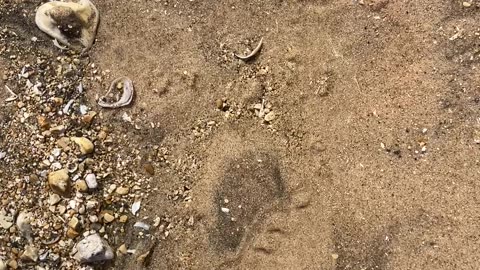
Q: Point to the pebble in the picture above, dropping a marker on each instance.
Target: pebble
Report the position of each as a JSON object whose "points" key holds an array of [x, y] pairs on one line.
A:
{"points": [[85, 145], [71, 233], [467, 4], [123, 218], [122, 190], [61, 209], [13, 264], [156, 222], [91, 180], [92, 248], [23, 224], [81, 186], [270, 117], [3, 266], [219, 104], [59, 182], [74, 223], [108, 218], [93, 219], [57, 130], [149, 168], [53, 199], [43, 122], [5, 222], [30, 254], [122, 249], [88, 118]]}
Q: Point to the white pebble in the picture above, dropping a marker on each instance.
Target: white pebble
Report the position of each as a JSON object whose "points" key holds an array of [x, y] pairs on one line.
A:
{"points": [[91, 180]]}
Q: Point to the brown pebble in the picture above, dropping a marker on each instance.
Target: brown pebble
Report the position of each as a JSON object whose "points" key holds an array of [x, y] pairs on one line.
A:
{"points": [[149, 168], [81, 186], [219, 104], [71, 233], [13, 264], [34, 178], [43, 122], [108, 218], [88, 118], [58, 101], [102, 135], [123, 219]]}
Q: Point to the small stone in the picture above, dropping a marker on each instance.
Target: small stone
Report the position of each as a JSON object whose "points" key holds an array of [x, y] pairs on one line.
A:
{"points": [[43, 122], [3, 265], [156, 222], [142, 257], [81, 186], [58, 101], [476, 136], [219, 104], [123, 219], [62, 209], [91, 180], [53, 199], [93, 219], [88, 118], [71, 233], [74, 223], [85, 145], [64, 143], [122, 190], [13, 264], [122, 249], [5, 222], [30, 254], [102, 135], [270, 117], [149, 168], [92, 248], [467, 4], [108, 218], [57, 130], [23, 224], [59, 182]]}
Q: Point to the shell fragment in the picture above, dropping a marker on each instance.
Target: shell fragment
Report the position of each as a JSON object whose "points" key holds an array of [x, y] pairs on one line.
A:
{"points": [[125, 99]]}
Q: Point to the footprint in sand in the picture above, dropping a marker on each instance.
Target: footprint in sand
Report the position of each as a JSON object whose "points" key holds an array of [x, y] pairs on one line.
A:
{"points": [[250, 189]]}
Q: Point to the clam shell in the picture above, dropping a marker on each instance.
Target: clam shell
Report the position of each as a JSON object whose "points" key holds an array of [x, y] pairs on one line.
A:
{"points": [[124, 100], [72, 23]]}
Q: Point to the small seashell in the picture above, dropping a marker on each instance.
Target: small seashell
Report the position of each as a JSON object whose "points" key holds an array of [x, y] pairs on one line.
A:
{"points": [[141, 225], [12, 97], [126, 97], [135, 207], [66, 109]]}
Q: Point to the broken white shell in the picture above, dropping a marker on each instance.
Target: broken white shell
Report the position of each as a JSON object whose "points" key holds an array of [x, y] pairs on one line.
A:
{"points": [[141, 225], [135, 207], [12, 97], [70, 22], [124, 100]]}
